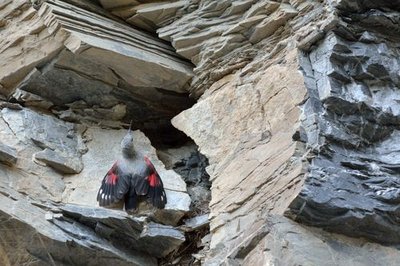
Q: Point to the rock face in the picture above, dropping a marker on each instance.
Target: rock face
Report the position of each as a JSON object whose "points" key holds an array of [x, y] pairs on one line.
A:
{"points": [[318, 147], [297, 116], [70, 68], [8, 154], [39, 141], [250, 159], [283, 242], [352, 127], [101, 155], [105, 74], [147, 15]]}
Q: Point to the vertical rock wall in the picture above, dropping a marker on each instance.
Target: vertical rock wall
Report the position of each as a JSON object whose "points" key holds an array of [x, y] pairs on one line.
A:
{"points": [[351, 123], [317, 146]]}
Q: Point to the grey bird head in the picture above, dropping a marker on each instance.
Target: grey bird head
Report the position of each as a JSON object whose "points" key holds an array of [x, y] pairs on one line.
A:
{"points": [[127, 144]]}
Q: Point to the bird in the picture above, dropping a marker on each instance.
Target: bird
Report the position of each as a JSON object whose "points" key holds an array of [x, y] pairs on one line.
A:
{"points": [[132, 175]]}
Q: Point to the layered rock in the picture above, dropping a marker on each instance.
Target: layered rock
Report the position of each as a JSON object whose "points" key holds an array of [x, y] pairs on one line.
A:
{"points": [[112, 235], [67, 68], [351, 123], [147, 15], [283, 242], [36, 233], [245, 121], [223, 37], [104, 73], [318, 147], [250, 160]]}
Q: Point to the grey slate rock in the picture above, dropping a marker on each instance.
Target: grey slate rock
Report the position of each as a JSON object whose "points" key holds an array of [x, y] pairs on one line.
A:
{"points": [[63, 241], [8, 155], [352, 124], [161, 239], [63, 164], [127, 232], [196, 223]]}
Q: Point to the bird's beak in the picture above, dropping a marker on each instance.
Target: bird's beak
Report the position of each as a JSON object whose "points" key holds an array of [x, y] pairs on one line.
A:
{"points": [[130, 126]]}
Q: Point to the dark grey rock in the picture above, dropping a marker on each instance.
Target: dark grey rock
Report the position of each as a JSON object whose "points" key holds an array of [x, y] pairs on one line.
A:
{"points": [[193, 169], [161, 239], [289, 243], [30, 99], [197, 222], [347, 6], [8, 154], [14, 106], [127, 232], [351, 123], [27, 237]]}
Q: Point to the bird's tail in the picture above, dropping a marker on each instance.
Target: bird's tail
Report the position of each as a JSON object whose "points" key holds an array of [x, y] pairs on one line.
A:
{"points": [[130, 202]]}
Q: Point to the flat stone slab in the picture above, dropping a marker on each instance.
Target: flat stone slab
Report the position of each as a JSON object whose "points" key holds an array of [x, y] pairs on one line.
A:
{"points": [[31, 234], [63, 164], [137, 57], [196, 223], [136, 232], [162, 239]]}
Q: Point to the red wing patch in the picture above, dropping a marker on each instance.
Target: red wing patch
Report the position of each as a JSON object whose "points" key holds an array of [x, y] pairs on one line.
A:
{"points": [[112, 178], [108, 190], [156, 192], [153, 180]]}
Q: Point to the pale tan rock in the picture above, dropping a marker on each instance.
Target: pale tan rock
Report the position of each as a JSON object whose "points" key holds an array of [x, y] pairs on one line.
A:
{"points": [[281, 241], [222, 37], [24, 43], [246, 132], [269, 25], [138, 58], [118, 3], [147, 15], [158, 13], [211, 35]]}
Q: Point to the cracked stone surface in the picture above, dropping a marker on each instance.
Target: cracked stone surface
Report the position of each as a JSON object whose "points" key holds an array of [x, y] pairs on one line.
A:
{"points": [[281, 241], [336, 168], [351, 122], [28, 237], [29, 185]]}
